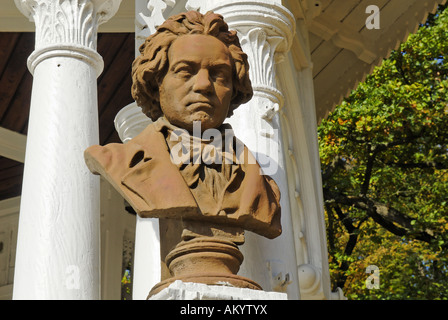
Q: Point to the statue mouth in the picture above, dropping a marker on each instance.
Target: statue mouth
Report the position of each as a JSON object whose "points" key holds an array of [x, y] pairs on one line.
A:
{"points": [[200, 106]]}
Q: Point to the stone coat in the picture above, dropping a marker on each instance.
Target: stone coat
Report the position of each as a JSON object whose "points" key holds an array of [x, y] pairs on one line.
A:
{"points": [[142, 171]]}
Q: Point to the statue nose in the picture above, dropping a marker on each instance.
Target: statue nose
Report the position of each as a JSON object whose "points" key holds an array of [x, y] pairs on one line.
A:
{"points": [[202, 82]]}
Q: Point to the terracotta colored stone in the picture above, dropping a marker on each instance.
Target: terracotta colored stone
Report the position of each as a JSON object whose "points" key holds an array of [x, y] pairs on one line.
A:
{"points": [[205, 260], [192, 69]]}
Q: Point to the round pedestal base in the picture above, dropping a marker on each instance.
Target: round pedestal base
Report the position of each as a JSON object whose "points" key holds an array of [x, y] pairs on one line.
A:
{"points": [[206, 260]]}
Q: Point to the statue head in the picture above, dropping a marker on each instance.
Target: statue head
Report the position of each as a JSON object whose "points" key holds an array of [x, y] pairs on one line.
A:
{"points": [[191, 69]]}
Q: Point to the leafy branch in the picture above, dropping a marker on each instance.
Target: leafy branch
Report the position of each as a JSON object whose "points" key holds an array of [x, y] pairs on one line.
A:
{"points": [[389, 218]]}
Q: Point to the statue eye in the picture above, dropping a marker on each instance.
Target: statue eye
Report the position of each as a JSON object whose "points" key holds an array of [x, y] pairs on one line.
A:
{"points": [[184, 71], [220, 74], [217, 74]]}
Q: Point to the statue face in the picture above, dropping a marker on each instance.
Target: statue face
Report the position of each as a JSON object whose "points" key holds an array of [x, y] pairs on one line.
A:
{"points": [[198, 83]]}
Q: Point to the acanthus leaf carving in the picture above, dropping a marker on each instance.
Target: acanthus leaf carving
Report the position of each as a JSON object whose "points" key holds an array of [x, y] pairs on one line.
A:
{"points": [[67, 28], [261, 49], [265, 32], [73, 22], [66, 21]]}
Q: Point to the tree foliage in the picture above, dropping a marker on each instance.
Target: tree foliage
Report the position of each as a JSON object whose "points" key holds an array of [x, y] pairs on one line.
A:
{"points": [[384, 157]]}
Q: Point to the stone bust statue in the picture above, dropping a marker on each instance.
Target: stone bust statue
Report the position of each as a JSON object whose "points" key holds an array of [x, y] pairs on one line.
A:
{"points": [[189, 78], [191, 70]]}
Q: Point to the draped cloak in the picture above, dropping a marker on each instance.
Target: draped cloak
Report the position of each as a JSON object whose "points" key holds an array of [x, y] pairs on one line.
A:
{"points": [[158, 183]]}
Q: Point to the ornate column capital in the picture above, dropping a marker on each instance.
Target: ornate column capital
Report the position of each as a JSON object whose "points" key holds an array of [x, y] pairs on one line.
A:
{"points": [[67, 28], [266, 31], [273, 18]]}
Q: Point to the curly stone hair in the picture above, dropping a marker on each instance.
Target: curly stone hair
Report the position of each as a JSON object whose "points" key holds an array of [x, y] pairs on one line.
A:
{"points": [[151, 66]]}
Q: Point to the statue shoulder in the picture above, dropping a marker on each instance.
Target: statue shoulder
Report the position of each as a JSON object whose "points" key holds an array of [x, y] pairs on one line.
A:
{"points": [[100, 158], [115, 157]]}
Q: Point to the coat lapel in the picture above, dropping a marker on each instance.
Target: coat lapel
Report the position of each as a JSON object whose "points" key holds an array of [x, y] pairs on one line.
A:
{"points": [[155, 179]]}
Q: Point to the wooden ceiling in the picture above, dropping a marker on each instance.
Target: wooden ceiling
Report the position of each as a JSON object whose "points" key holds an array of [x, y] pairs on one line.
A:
{"points": [[114, 84]]}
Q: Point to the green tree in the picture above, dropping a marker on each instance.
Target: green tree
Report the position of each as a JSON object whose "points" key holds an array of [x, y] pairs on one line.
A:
{"points": [[384, 157]]}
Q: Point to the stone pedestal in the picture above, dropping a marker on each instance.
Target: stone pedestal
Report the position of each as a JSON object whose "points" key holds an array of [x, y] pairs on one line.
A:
{"points": [[201, 253], [179, 290]]}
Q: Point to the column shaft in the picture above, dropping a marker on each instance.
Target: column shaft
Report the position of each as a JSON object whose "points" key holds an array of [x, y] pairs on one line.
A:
{"points": [[58, 250]]}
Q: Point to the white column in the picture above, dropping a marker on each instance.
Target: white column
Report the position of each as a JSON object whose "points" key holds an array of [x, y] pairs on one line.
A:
{"points": [[129, 122], [58, 251], [303, 165]]}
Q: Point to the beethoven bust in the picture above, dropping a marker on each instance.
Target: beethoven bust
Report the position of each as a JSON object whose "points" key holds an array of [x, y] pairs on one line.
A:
{"points": [[192, 71]]}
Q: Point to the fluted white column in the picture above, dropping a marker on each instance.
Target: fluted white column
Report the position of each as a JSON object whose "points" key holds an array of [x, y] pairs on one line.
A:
{"points": [[58, 250]]}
